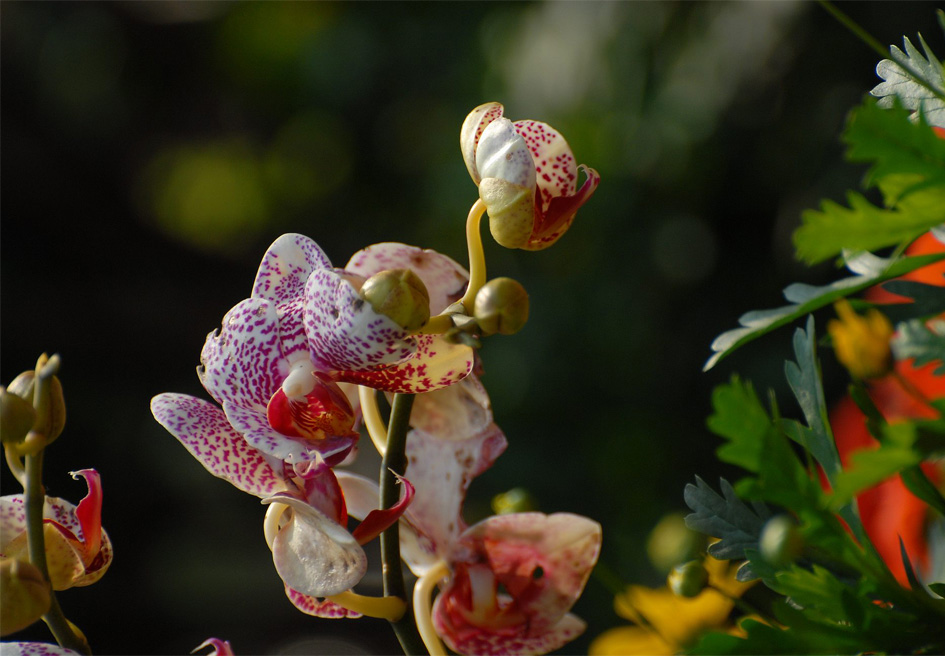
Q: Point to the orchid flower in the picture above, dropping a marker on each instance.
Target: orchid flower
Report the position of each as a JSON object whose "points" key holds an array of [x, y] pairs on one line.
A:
{"points": [[526, 175], [317, 557], [78, 551], [34, 649], [220, 647]]}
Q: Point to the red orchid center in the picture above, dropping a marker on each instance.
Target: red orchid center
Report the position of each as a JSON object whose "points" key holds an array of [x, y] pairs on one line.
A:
{"points": [[313, 409], [475, 601]]}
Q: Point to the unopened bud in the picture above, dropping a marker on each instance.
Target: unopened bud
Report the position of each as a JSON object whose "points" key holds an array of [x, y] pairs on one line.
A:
{"points": [[781, 543], [400, 295], [16, 417], [24, 595], [501, 306], [516, 500], [511, 209], [672, 542], [50, 410], [688, 579]]}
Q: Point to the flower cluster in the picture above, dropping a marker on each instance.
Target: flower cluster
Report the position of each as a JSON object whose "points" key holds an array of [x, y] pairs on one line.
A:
{"points": [[294, 371]]}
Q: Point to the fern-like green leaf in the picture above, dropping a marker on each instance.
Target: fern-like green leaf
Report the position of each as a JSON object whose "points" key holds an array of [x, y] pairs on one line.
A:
{"points": [[923, 341], [902, 74]]}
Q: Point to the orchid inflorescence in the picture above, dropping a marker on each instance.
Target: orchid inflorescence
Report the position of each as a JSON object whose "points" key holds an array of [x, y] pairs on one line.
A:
{"points": [[294, 372]]}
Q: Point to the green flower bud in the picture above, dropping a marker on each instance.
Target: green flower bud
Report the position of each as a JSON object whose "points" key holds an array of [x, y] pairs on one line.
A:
{"points": [[50, 410], [400, 295], [24, 595], [511, 209], [16, 417], [688, 579], [781, 543], [672, 542], [501, 306], [516, 500]]}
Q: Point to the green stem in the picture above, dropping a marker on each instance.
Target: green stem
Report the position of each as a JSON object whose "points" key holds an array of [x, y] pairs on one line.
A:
{"points": [[393, 465], [34, 500]]}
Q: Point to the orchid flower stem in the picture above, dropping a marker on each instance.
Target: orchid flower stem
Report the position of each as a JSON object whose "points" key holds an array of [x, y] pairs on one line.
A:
{"points": [[394, 465], [15, 463], [477, 257], [385, 608], [372, 418], [34, 500], [423, 607]]}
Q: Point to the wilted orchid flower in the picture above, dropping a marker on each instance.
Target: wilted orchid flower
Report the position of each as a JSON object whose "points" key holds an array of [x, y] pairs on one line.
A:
{"points": [[78, 551], [526, 175], [313, 551]]}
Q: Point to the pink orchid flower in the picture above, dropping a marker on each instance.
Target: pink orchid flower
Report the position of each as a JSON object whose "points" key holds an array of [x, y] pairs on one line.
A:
{"points": [[220, 647], [526, 175], [313, 551], [78, 551], [34, 649]]}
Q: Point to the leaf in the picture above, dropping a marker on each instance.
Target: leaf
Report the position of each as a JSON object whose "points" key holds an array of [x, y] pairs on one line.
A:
{"points": [[901, 82], [927, 300], [725, 517], [938, 588], [923, 341], [869, 270], [919, 484], [742, 420]]}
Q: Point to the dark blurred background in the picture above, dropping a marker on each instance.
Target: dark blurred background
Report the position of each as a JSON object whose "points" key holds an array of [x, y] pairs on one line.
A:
{"points": [[152, 150]]}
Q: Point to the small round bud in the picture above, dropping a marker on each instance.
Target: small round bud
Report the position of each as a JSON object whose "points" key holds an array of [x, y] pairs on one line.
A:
{"points": [[672, 542], [501, 306], [24, 595], [16, 417], [688, 579], [781, 543], [516, 500], [400, 295], [51, 422]]}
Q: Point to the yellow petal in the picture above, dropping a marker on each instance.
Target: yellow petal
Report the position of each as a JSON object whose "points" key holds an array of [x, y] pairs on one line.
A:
{"points": [[626, 640]]}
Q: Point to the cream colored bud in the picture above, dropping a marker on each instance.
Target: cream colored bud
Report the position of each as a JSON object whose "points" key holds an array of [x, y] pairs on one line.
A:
{"points": [[24, 595], [511, 209], [688, 579], [400, 295], [671, 542], [16, 417], [781, 543], [501, 306], [50, 423]]}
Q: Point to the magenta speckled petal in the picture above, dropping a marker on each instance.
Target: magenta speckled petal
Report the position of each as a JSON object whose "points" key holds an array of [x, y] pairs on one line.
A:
{"points": [[255, 429], [436, 364], [344, 332], [563, 545], [555, 168], [313, 554], [469, 134], [454, 413], [34, 649], [463, 640], [444, 279], [242, 362], [441, 472], [286, 266], [318, 607], [12, 520], [204, 431], [560, 213]]}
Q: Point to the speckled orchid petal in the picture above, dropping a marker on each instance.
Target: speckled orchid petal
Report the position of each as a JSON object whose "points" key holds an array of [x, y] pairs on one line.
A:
{"points": [[436, 364], [34, 649], [344, 332], [313, 554], [444, 279], [220, 647], [554, 166], [503, 153], [560, 213], [286, 267], [543, 561], [206, 433], [466, 640], [255, 429], [242, 362], [454, 413], [441, 470], [318, 607], [469, 134], [74, 558]]}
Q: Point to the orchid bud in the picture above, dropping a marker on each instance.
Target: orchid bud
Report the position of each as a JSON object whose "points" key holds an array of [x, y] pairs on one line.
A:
{"points": [[16, 417], [688, 579], [24, 595], [511, 209], [671, 542], [51, 422], [501, 306], [781, 543], [400, 295]]}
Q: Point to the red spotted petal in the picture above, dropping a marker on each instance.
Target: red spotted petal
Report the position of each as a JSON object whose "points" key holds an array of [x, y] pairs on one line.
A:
{"points": [[469, 134], [560, 213], [318, 607], [325, 411]]}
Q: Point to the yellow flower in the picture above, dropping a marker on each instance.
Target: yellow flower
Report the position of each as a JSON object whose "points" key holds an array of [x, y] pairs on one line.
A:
{"points": [[666, 623], [861, 342]]}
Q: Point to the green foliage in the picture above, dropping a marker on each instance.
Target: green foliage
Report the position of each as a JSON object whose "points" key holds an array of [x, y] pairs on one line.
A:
{"points": [[923, 341], [907, 164], [915, 81]]}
